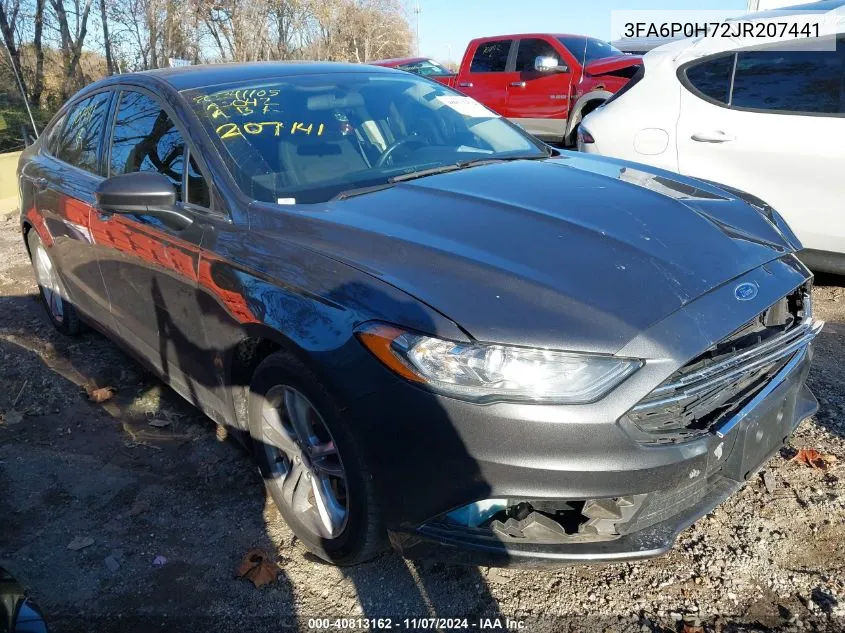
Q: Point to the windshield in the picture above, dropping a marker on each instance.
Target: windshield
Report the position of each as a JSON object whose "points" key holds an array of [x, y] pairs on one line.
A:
{"points": [[426, 68], [309, 138], [595, 49]]}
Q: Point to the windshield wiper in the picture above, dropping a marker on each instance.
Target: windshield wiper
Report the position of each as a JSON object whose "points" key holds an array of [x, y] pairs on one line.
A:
{"points": [[422, 173], [360, 191], [464, 164]]}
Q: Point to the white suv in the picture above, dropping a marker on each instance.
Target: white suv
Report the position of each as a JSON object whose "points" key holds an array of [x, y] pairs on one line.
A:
{"points": [[765, 119]]}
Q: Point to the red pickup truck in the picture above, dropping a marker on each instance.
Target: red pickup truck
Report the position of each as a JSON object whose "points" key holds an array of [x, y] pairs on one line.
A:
{"points": [[545, 83]]}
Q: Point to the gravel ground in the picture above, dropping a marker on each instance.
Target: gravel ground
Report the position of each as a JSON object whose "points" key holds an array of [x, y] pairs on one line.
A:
{"points": [[771, 558]]}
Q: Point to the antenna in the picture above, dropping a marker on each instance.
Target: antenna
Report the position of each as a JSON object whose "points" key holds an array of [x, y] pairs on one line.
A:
{"points": [[584, 60], [23, 92]]}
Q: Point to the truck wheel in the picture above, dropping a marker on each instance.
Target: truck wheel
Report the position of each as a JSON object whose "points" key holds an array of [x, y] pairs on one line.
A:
{"points": [[311, 464]]}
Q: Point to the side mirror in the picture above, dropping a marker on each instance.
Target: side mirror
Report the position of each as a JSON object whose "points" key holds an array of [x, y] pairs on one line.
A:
{"points": [[144, 193], [549, 65]]}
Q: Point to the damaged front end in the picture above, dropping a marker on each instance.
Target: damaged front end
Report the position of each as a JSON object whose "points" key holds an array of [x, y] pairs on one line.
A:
{"points": [[555, 521], [698, 434], [506, 532]]}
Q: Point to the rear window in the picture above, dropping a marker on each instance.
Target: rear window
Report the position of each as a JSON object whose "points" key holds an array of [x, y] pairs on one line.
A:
{"points": [[790, 81], [491, 57], [712, 78], [53, 136], [786, 79], [79, 142]]}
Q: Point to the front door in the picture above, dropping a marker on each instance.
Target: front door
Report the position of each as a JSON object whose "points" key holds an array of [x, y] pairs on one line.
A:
{"points": [[489, 75], [777, 131], [539, 102], [149, 267]]}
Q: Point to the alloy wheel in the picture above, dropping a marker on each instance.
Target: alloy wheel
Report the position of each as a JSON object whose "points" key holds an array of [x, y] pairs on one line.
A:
{"points": [[304, 462], [50, 283]]}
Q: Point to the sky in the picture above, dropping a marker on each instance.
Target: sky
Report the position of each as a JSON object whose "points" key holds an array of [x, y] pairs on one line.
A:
{"points": [[447, 26]]}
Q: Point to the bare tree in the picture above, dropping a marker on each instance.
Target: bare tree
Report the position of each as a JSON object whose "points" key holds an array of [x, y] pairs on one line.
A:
{"points": [[38, 49], [360, 30], [106, 42], [9, 12], [71, 42], [58, 45]]}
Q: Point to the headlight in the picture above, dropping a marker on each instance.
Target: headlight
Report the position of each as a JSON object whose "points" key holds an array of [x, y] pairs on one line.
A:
{"points": [[488, 373]]}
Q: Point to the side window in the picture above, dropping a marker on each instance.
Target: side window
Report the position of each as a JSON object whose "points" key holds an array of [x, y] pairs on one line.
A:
{"points": [[79, 142], [712, 77], [529, 50], [51, 142], [145, 139], [197, 187], [789, 81], [491, 57]]}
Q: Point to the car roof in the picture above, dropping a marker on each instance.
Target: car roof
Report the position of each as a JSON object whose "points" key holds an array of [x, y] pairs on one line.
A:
{"points": [[201, 75], [819, 5], [692, 48]]}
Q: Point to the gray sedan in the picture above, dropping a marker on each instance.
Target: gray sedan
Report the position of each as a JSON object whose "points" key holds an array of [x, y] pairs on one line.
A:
{"points": [[431, 329]]}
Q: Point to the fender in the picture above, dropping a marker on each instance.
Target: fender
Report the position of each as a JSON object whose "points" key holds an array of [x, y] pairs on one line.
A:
{"points": [[575, 114]]}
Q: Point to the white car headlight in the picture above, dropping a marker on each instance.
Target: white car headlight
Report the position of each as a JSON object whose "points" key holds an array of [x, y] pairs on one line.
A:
{"points": [[487, 373]]}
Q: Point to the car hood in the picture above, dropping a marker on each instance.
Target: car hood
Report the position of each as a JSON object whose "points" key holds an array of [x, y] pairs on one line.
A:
{"points": [[574, 252], [608, 64]]}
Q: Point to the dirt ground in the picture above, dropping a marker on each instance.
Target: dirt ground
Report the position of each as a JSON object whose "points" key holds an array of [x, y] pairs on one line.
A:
{"points": [[771, 558]]}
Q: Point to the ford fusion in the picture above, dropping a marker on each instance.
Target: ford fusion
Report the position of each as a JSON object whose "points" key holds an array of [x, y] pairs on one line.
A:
{"points": [[432, 330]]}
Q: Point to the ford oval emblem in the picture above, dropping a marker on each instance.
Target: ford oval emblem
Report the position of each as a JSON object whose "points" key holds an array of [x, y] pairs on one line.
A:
{"points": [[745, 291]]}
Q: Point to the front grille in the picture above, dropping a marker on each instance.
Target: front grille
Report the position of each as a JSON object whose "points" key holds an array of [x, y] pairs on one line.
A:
{"points": [[714, 386]]}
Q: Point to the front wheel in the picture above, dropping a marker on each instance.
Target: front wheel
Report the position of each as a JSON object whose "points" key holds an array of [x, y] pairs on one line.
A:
{"points": [[311, 464], [61, 312]]}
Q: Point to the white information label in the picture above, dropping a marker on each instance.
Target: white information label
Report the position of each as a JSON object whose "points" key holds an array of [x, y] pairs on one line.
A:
{"points": [[468, 107]]}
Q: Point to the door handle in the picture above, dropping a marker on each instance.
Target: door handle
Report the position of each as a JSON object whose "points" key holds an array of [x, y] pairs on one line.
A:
{"points": [[716, 136], [465, 84], [518, 84]]}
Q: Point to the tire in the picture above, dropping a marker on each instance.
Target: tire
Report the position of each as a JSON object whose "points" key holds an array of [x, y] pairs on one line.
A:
{"points": [[284, 385], [60, 310]]}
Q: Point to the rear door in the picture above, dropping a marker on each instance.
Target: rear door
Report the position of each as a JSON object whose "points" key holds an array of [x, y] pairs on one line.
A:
{"points": [[150, 267], [777, 130], [490, 71], [68, 171], [539, 102]]}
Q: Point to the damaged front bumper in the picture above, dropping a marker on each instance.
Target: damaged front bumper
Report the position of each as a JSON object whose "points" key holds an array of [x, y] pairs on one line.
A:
{"points": [[692, 441], [522, 483], [637, 526]]}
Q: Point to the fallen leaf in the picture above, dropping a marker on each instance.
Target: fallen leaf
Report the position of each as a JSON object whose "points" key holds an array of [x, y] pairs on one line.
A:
{"points": [[80, 542], [690, 628], [812, 458], [13, 417], [258, 567], [100, 395], [159, 424]]}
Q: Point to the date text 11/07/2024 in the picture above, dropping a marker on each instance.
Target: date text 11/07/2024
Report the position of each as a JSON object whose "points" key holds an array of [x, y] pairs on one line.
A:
{"points": [[417, 624]]}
